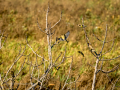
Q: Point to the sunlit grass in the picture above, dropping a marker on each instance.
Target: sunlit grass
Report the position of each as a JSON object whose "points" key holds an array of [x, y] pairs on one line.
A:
{"points": [[21, 21]]}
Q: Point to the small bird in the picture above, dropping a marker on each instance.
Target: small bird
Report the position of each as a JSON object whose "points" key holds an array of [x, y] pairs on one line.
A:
{"points": [[63, 37], [82, 26], [92, 49]]}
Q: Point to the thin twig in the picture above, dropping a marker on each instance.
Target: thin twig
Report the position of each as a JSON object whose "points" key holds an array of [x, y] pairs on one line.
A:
{"points": [[37, 67], [58, 21], [33, 50], [104, 41], [52, 33], [110, 48], [91, 49], [39, 27], [115, 83], [101, 40], [75, 80], [115, 68], [109, 78], [100, 68], [14, 63], [68, 74], [20, 69], [110, 59]]}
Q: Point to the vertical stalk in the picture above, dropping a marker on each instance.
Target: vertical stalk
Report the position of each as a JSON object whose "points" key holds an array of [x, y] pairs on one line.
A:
{"points": [[95, 73], [49, 49], [48, 38]]}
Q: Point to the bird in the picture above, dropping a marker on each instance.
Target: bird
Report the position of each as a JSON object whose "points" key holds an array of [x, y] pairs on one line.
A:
{"points": [[63, 37], [82, 26], [92, 50]]}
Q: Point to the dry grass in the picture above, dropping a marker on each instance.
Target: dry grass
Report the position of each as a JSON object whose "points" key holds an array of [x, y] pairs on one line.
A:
{"points": [[19, 18]]}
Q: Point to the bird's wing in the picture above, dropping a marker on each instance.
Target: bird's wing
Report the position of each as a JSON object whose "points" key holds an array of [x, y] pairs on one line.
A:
{"points": [[66, 35]]}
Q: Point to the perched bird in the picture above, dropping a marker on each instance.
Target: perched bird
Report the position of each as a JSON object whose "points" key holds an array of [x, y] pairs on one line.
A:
{"points": [[63, 37], [82, 26], [92, 49]]}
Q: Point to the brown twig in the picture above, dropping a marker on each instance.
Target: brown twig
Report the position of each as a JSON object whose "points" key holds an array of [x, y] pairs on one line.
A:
{"points": [[14, 63], [68, 74]]}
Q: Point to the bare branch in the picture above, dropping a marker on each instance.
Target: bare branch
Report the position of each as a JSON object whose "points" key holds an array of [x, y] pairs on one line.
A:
{"points": [[110, 48], [58, 57], [44, 64], [91, 65], [17, 85], [20, 69], [109, 78], [42, 78], [48, 38], [39, 27], [63, 59], [2, 87], [31, 76], [14, 63], [86, 87], [100, 68], [101, 40], [33, 86], [52, 33], [95, 73], [104, 40], [53, 45], [115, 83], [115, 68], [29, 63], [47, 19], [58, 21], [34, 51], [75, 80], [37, 67], [68, 74], [91, 49], [110, 59]]}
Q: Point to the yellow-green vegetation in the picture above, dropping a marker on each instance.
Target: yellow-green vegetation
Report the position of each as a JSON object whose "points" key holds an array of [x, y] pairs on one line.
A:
{"points": [[18, 18]]}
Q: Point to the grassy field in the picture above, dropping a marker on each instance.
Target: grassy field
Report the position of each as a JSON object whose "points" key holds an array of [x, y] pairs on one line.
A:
{"points": [[18, 18]]}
